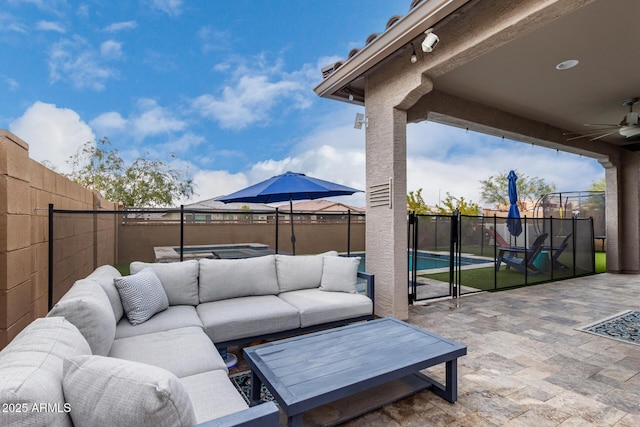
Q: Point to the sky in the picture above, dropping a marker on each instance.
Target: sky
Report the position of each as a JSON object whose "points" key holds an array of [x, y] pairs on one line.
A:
{"points": [[224, 90]]}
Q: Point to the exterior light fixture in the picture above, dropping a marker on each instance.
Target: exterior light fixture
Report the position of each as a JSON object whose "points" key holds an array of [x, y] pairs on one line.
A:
{"points": [[565, 65], [414, 57], [430, 41]]}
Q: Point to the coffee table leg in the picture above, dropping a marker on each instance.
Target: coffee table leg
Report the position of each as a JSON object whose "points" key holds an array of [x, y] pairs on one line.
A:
{"points": [[294, 421], [451, 385], [256, 385]]}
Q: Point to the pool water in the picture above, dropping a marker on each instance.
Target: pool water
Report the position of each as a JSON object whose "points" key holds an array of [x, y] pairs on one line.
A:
{"points": [[428, 261]]}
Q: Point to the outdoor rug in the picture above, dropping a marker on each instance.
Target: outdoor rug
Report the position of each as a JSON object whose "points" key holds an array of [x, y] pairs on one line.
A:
{"points": [[342, 410], [242, 381], [623, 327]]}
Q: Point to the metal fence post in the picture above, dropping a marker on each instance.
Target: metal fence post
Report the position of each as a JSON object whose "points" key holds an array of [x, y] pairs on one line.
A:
{"points": [[277, 218], [181, 232], [50, 278], [348, 232]]}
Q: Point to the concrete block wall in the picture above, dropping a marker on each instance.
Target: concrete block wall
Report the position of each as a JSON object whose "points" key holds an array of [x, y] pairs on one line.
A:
{"points": [[26, 190]]}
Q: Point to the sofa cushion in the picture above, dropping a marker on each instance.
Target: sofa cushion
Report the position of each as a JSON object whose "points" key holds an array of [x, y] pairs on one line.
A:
{"points": [[174, 317], [31, 371], [246, 317], [184, 351], [104, 276], [142, 295], [212, 395], [318, 306], [300, 272], [222, 279], [340, 274], [105, 391], [179, 279], [87, 306]]}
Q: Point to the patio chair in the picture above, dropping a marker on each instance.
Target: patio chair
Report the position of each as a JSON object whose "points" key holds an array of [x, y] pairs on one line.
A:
{"points": [[500, 242], [556, 251], [510, 258]]}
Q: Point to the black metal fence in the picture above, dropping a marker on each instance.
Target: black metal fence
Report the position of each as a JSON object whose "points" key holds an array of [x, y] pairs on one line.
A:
{"points": [[81, 240], [456, 255]]}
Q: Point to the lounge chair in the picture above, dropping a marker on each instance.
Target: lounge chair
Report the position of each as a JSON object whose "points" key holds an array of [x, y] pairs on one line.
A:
{"points": [[510, 258], [556, 251], [500, 242]]}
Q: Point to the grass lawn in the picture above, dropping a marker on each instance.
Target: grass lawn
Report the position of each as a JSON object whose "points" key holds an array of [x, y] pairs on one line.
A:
{"points": [[483, 278], [123, 268]]}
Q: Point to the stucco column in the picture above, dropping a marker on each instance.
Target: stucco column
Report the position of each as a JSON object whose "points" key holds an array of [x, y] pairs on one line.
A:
{"points": [[388, 97], [623, 213]]}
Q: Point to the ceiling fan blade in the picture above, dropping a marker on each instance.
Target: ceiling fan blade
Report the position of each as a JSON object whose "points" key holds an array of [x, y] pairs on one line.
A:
{"points": [[600, 124], [606, 134], [592, 132]]}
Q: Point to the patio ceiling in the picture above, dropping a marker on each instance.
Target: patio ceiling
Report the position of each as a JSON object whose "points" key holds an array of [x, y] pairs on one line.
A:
{"points": [[518, 74]]}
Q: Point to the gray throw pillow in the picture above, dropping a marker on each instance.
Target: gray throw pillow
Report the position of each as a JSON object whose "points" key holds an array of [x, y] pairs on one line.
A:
{"points": [[142, 295], [105, 391]]}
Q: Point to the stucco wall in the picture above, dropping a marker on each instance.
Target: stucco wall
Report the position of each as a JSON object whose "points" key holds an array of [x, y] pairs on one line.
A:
{"points": [[26, 190]]}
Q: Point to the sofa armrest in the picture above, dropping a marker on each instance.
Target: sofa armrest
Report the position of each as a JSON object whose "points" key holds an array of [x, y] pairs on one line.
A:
{"points": [[370, 278], [265, 414]]}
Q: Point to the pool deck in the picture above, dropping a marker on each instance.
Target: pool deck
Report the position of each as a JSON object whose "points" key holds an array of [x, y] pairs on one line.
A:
{"points": [[527, 365]]}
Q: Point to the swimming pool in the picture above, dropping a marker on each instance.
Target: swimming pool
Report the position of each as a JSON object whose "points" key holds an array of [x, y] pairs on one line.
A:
{"points": [[429, 260]]}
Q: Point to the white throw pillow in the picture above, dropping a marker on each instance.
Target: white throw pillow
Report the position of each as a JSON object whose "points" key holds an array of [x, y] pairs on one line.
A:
{"points": [[105, 391], [142, 295], [301, 271], [340, 274]]}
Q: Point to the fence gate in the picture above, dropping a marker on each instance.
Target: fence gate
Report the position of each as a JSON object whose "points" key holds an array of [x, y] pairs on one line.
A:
{"points": [[434, 247]]}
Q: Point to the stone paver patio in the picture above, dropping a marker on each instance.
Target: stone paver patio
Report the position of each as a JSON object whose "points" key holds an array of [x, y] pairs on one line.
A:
{"points": [[526, 364]]}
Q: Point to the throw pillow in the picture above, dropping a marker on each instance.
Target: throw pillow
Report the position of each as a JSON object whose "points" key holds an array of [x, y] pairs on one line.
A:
{"points": [[142, 295], [340, 274], [105, 391]]}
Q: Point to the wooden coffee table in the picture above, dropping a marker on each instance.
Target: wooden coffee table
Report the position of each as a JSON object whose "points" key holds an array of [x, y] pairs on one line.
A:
{"points": [[312, 370]]}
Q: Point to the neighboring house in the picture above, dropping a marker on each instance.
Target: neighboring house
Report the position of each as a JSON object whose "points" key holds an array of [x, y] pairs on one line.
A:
{"points": [[212, 210], [324, 211]]}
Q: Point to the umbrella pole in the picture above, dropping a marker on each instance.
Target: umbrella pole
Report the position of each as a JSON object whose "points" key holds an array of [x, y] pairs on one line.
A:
{"points": [[293, 236]]}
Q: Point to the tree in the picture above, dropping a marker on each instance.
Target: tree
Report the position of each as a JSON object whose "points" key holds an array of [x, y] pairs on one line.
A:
{"points": [[600, 185], [415, 203], [495, 190], [451, 203], [143, 183]]}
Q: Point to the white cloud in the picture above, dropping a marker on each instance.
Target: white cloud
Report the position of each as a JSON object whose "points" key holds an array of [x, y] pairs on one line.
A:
{"points": [[149, 119], [111, 122], [77, 62], [111, 49], [53, 133], [152, 119], [214, 183], [445, 159], [214, 40], [9, 22], [254, 92], [50, 26], [440, 159], [120, 26], [170, 7], [11, 84]]}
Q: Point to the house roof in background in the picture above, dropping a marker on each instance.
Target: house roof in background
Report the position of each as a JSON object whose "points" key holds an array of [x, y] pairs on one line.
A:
{"points": [[322, 205]]}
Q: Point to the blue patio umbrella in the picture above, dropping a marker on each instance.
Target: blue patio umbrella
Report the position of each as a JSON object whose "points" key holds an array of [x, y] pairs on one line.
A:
{"points": [[514, 223], [289, 186]]}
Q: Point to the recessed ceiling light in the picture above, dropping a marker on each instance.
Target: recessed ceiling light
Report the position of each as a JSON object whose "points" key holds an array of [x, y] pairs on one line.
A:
{"points": [[569, 63]]}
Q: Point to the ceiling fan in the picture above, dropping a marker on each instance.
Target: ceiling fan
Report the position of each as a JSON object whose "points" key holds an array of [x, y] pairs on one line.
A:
{"points": [[629, 127]]}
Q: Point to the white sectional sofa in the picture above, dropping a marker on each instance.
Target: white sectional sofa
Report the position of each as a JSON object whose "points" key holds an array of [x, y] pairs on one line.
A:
{"points": [[87, 364]]}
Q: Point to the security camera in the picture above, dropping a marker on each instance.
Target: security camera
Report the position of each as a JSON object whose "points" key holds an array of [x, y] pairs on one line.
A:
{"points": [[430, 41]]}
